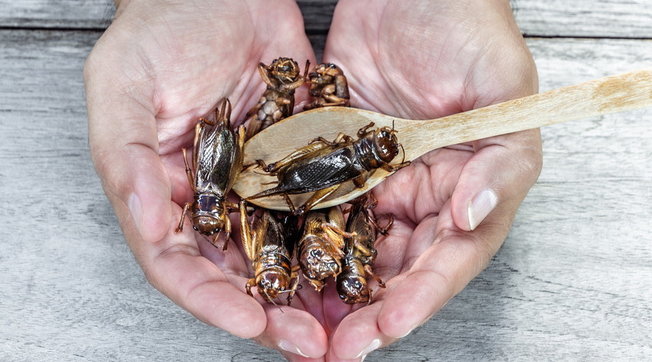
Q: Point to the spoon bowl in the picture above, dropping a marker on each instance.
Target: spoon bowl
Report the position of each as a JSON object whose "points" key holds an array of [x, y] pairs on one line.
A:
{"points": [[600, 96]]}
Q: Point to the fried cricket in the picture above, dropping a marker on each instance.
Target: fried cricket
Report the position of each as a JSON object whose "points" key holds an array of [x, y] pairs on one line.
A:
{"points": [[216, 162], [328, 87], [322, 167], [282, 78], [321, 247], [359, 252], [269, 243]]}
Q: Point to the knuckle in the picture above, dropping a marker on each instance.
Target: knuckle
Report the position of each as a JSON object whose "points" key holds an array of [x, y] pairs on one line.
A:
{"points": [[520, 72], [532, 163]]}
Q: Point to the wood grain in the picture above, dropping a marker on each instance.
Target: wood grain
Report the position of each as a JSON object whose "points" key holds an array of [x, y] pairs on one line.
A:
{"points": [[571, 282], [588, 18]]}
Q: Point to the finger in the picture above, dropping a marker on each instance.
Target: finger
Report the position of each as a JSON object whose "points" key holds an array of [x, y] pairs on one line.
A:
{"points": [[334, 308], [503, 168], [440, 272], [501, 171], [434, 277], [294, 332], [358, 334], [175, 267], [124, 148], [296, 358]]}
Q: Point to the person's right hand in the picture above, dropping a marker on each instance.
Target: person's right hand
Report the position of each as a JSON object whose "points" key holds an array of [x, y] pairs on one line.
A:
{"points": [[157, 68]]}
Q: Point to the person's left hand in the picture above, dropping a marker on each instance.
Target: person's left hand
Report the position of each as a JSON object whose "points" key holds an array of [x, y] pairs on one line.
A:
{"points": [[453, 207]]}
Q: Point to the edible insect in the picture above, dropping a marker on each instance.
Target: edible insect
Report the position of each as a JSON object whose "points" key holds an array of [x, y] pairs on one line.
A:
{"points": [[359, 252], [320, 249], [282, 77], [216, 163], [322, 166], [328, 87], [269, 243]]}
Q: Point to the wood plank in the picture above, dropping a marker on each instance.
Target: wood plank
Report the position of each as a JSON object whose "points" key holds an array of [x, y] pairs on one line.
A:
{"points": [[66, 14], [587, 18], [317, 15], [571, 282]]}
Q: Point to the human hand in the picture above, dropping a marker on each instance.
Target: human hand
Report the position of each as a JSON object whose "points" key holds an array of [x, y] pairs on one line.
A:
{"points": [[159, 67], [454, 206]]}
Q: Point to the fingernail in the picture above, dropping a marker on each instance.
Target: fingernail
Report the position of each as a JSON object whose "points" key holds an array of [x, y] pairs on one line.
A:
{"points": [[289, 347], [136, 209], [406, 334], [481, 206], [371, 347]]}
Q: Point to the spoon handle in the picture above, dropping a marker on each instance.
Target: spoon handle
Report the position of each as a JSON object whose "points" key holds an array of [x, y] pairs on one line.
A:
{"points": [[600, 96]]}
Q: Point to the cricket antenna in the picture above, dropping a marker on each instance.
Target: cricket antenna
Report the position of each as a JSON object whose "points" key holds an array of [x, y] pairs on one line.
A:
{"points": [[268, 297]]}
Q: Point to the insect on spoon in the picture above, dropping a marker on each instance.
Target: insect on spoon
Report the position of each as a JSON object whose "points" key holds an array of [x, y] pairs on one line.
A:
{"points": [[600, 96]]}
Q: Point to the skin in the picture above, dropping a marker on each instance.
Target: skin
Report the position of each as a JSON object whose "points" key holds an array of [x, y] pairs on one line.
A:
{"points": [[162, 64]]}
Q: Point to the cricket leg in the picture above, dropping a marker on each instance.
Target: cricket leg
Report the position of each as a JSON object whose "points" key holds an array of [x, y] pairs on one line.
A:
{"points": [[340, 140], [291, 206], [384, 230], [365, 130], [250, 283], [294, 282], [334, 100], [227, 228], [310, 148], [360, 181], [213, 238], [316, 198], [371, 273], [191, 178], [393, 168], [186, 207], [225, 113]]}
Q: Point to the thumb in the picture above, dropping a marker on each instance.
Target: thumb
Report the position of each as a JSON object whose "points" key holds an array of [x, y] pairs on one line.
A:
{"points": [[124, 148], [501, 172]]}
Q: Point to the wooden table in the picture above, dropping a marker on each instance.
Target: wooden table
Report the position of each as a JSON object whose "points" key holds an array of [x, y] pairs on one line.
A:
{"points": [[572, 281]]}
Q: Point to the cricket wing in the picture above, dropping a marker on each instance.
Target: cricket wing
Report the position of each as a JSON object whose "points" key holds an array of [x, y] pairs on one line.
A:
{"points": [[217, 154], [320, 173]]}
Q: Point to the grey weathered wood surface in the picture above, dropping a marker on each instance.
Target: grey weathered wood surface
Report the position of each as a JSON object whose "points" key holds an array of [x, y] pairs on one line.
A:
{"points": [[596, 18], [573, 280]]}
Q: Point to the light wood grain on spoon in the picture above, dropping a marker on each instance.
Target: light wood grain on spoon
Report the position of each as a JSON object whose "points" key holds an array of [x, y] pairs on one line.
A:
{"points": [[600, 96]]}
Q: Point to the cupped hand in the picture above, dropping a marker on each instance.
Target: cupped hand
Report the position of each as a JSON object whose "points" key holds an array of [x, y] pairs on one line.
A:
{"points": [[157, 68], [453, 207]]}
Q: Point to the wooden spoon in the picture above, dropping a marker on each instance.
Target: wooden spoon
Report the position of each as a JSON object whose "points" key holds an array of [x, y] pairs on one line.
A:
{"points": [[600, 96]]}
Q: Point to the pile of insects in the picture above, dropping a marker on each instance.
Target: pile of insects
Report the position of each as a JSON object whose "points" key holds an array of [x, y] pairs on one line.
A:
{"points": [[318, 244]]}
